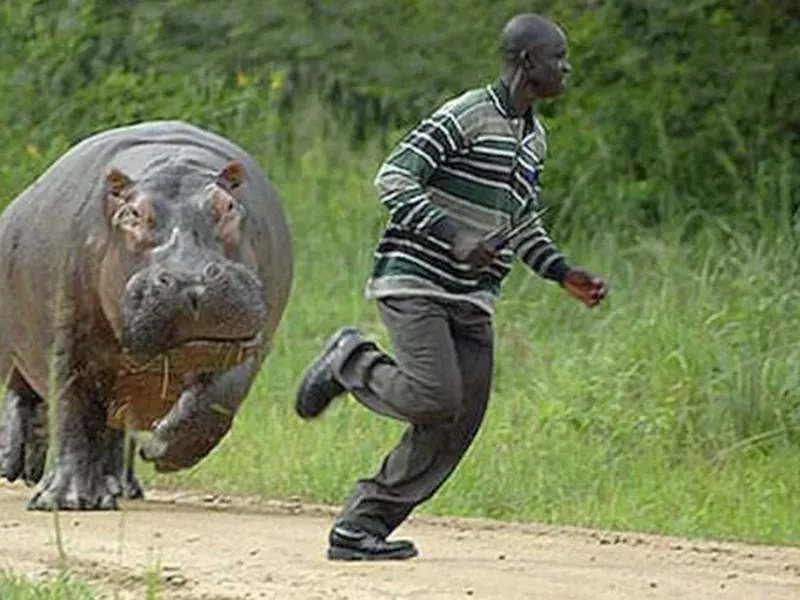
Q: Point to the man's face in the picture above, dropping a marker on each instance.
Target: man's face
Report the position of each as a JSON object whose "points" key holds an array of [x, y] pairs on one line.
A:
{"points": [[546, 66]]}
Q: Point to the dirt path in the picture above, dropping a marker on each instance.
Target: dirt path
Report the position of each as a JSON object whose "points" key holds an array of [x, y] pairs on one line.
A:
{"points": [[229, 548]]}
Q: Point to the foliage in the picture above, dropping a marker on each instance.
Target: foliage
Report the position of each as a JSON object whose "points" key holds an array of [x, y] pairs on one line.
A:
{"points": [[675, 107]]}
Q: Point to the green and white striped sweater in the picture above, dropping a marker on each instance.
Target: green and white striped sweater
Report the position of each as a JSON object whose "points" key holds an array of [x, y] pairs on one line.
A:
{"points": [[475, 163]]}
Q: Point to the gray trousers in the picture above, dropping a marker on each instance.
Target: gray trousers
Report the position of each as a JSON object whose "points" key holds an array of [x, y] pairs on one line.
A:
{"points": [[439, 382]]}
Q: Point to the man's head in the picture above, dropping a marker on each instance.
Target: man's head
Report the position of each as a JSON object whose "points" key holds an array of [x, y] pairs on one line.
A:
{"points": [[534, 52]]}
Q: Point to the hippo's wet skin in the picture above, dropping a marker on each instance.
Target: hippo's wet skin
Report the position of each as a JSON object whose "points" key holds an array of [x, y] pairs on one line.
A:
{"points": [[145, 273]]}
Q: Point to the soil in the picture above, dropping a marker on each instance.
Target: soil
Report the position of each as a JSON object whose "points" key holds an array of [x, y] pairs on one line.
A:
{"points": [[216, 547]]}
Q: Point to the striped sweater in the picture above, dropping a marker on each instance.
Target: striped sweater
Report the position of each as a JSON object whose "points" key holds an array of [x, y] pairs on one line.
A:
{"points": [[473, 164]]}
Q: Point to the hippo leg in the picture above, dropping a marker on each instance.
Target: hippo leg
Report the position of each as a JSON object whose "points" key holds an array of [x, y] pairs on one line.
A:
{"points": [[24, 436], [77, 480], [199, 420], [119, 464]]}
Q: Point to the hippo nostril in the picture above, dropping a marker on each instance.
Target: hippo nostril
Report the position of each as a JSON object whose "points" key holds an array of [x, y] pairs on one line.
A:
{"points": [[193, 295], [212, 271], [164, 279]]}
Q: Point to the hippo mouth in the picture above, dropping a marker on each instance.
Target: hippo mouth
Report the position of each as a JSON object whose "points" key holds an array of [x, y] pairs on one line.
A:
{"points": [[196, 356], [146, 387]]}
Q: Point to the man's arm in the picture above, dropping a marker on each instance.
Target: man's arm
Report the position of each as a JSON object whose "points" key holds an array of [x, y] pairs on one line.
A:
{"points": [[537, 251], [402, 178]]}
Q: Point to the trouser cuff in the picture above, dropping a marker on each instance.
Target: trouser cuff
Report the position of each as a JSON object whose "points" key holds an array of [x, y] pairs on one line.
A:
{"points": [[364, 523], [354, 361]]}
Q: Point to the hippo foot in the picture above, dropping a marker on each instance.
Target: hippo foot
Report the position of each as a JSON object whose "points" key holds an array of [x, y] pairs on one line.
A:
{"points": [[198, 421], [71, 488], [164, 456], [174, 446]]}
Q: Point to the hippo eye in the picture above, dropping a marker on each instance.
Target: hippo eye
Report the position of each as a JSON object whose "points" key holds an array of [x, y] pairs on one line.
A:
{"points": [[130, 217], [225, 209]]}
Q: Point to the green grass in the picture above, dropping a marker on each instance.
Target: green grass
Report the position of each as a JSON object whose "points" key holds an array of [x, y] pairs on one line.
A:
{"points": [[64, 587], [672, 408]]}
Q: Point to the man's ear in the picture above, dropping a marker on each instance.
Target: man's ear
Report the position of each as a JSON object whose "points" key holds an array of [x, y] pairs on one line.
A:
{"points": [[118, 185], [526, 60], [231, 177]]}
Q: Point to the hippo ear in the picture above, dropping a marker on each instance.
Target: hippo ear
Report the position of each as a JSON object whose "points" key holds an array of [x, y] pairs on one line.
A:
{"points": [[231, 176], [117, 186], [118, 182]]}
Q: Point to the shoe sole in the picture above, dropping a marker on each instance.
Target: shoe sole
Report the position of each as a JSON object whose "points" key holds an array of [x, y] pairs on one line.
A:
{"points": [[304, 384], [336, 553]]}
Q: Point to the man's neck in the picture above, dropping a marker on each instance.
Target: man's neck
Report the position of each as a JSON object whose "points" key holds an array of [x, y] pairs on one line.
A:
{"points": [[513, 78]]}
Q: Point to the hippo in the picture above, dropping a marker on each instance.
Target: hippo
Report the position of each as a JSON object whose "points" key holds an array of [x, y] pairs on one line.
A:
{"points": [[145, 274]]}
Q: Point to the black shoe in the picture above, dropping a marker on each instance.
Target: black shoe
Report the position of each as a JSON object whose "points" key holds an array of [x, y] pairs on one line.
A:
{"points": [[353, 544], [319, 386]]}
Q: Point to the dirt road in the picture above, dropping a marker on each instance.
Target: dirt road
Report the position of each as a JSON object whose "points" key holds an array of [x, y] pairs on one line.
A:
{"points": [[222, 548]]}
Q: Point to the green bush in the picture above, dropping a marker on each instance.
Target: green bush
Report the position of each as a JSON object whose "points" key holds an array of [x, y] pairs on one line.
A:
{"points": [[674, 108]]}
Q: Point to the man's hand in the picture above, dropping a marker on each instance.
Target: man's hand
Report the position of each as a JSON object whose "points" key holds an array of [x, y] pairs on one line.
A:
{"points": [[467, 246], [473, 250], [584, 286]]}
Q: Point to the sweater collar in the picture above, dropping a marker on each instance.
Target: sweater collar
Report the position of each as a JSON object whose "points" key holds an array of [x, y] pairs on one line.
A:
{"points": [[500, 94], [501, 97]]}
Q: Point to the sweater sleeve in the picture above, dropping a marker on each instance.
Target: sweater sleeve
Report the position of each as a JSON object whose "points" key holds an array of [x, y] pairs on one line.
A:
{"points": [[533, 245], [536, 250], [402, 178]]}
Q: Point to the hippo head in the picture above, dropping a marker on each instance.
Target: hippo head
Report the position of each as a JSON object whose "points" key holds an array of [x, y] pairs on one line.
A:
{"points": [[178, 268]]}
